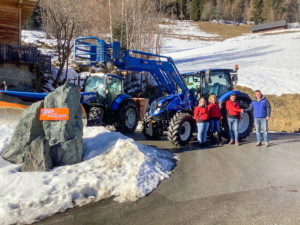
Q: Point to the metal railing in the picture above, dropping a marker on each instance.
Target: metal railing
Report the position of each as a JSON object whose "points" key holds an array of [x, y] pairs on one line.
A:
{"points": [[25, 54], [18, 53]]}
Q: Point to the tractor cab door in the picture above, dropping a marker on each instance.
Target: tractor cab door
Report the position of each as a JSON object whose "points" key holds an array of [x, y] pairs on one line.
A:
{"points": [[193, 83], [114, 88], [218, 84], [97, 84]]}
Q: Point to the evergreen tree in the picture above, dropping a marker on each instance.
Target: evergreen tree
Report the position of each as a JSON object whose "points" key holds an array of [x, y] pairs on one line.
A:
{"points": [[237, 10], [227, 11], [220, 10], [257, 11], [208, 12], [195, 10]]}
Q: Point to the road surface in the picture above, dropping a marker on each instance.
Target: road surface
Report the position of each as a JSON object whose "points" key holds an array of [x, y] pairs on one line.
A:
{"points": [[221, 185]]}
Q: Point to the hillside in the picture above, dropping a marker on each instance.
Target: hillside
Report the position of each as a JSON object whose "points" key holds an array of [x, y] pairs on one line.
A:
{"points": [[269, 61]]}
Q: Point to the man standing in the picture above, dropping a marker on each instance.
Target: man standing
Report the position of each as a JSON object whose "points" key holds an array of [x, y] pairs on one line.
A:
{"points": [[262, 113], [233, 117]]}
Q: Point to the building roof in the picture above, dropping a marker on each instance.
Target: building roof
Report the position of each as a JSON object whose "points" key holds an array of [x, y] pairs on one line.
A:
{"points": [[13, 16], [267, 26]]}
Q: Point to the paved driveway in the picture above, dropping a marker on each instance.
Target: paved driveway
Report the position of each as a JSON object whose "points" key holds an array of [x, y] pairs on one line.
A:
{"points": [[222, 185]]}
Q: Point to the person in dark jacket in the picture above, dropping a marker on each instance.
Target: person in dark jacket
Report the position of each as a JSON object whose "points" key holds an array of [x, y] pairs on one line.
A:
{"points": [[201, 116], [262, 113], [215, 118], [233, 118]]}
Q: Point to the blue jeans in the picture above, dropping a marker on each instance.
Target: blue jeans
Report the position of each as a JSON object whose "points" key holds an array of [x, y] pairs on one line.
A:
{"points": [[216, 124], [233, 128], [264, 123], [202, 131]]}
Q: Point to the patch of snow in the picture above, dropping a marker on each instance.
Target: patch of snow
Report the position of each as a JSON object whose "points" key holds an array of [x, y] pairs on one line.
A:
{"points": [[38, 38], [113, 165], [267, 62]]}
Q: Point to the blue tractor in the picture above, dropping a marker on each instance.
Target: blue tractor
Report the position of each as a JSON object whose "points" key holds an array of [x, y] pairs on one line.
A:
{"points": [[103, 96], [172, 113]]}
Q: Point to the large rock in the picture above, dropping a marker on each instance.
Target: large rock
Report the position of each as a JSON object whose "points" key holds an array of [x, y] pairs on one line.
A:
{"points": [[65, 137], [38, 156], [28, 129]]}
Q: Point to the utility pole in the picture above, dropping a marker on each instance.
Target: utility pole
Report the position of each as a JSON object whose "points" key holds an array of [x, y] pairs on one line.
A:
{"points": [[109, 5]]}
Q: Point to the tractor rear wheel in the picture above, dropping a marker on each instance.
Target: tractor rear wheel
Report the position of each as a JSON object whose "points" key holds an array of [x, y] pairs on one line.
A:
{"points": [[180, 129], [146, 120], [95, 116], [245, 125], [128, 118]]}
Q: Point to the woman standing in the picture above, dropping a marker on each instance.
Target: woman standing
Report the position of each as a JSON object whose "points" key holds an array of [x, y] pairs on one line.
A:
{"points": [[215, 118], [201, 115]]}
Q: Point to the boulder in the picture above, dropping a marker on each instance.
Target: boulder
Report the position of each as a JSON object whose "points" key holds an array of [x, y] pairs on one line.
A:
{"points": [[37, 157], [65, 137], [28, 129]]}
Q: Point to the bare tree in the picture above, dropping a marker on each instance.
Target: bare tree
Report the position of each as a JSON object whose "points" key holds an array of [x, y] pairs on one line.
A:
{"points": [[65, 20]]}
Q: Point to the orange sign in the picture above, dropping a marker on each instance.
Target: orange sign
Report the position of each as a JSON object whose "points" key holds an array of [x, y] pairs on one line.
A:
{"points": [[54, 114]]}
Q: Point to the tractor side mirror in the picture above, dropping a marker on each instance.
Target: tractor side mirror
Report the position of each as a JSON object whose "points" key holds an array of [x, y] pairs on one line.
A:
{"points": [[109, 80], [207, 75], [234, 77]]}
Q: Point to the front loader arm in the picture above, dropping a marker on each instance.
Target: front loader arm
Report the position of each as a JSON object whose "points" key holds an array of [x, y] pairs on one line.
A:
{"points": [[164, 72]]}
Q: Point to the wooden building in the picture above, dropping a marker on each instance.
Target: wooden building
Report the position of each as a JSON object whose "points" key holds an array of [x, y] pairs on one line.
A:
{"points": [[13, 16], [264, 27]]}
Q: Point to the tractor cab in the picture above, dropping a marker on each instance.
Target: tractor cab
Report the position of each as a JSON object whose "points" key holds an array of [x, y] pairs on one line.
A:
{"points": [[107, 87], [210, 82]]}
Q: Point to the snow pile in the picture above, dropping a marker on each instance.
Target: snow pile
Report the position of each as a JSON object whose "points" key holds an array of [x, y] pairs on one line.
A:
{"points": [[268, 61], [113, 165]]}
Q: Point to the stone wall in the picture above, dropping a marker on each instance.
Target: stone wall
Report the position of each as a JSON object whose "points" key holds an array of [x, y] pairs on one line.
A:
{"points": [[15, 76]]}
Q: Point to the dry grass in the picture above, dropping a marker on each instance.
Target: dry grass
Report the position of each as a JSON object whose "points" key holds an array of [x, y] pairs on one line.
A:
{"points": [[225, 31], [285, 116], [284, 32]]}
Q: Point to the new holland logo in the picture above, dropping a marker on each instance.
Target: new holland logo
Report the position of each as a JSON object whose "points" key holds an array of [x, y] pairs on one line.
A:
{"points": [[159, 63], [54, 114], [47, 111]]}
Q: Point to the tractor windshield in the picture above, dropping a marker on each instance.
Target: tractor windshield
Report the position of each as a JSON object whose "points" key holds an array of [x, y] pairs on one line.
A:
{"points": [[97, 84], [114, 88], [193, 82], [218, 85]]}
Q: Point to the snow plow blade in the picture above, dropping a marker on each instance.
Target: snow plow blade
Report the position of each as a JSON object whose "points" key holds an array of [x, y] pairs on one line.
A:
{"points": [[11, 109]]}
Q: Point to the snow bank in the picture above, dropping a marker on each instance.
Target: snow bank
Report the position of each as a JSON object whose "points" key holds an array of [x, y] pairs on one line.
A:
{"points": [[269, 61], [113, 165]]}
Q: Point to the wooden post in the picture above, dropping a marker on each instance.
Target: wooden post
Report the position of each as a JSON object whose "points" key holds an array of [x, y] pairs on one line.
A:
{"points": [[20, 20]]}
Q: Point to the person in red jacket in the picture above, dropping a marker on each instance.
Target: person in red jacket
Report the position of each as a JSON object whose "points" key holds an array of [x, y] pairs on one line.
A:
{"points": [[215, 118], [201, 115], [233, 118]]}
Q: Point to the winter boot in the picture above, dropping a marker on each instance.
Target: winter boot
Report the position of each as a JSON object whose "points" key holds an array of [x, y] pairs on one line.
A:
{"points": [[220, 139], [212, 138]]}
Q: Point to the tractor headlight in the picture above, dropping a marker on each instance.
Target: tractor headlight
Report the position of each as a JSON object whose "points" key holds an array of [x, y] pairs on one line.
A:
{"points": [[163, 105]]}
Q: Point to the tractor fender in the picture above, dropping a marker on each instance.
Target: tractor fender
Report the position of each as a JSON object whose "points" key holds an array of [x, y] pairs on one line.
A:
{"points": [[120, 101], [239, 95]]}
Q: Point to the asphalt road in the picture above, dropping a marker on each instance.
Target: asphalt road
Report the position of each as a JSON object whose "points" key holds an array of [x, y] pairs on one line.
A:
{"points": [[221, 185]]}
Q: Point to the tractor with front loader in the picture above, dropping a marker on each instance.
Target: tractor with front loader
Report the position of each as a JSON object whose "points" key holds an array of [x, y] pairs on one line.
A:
{"points": [[172, 113]]}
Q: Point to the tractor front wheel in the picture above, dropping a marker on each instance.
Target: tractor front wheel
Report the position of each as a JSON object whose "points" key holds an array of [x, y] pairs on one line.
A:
{"points": [[95, 116], [145, 124], [180, 129], [128, 118]]}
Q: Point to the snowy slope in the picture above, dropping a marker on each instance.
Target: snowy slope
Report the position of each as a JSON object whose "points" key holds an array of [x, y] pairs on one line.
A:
{"points": [[113, 165], [270, 63]]}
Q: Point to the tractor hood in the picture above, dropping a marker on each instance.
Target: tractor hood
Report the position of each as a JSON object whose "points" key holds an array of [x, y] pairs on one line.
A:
{"points": [[170, 102]]}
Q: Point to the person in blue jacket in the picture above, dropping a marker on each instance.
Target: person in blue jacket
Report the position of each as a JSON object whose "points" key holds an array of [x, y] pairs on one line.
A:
{"points": [[262, 113]]}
